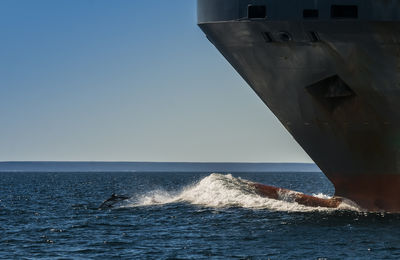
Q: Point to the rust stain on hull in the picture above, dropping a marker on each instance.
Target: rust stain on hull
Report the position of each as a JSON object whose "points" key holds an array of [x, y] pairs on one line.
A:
{"points": [[372, 192], [292, 196]]}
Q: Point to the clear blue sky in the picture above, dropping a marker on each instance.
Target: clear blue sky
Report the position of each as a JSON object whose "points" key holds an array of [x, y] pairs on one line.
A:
{"points": [[125, 80]]}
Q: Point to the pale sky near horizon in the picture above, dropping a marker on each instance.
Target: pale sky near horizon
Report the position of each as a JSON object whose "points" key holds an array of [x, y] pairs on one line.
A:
{"points": [[125, 81]]}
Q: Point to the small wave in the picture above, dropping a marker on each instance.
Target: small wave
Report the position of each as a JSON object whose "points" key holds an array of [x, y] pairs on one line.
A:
{"points": [[219, 191]]}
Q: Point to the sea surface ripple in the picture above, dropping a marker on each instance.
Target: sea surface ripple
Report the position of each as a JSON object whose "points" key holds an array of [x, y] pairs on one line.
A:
{"points": [[181, 216]]}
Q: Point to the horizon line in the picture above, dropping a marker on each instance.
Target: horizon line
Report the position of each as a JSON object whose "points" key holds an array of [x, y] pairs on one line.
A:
{"points": [[200, 162]]}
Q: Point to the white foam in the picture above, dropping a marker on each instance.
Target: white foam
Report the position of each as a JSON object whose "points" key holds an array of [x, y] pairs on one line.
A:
{"points": [[322, 196], [288, 196], [218, 191]]}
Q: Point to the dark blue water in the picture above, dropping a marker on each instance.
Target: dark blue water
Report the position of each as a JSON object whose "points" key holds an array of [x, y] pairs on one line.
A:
{"points": [[181, 216]]}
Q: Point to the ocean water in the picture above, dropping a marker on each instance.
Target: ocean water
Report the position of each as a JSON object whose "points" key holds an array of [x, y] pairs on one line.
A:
{"points": [[182, 216]]}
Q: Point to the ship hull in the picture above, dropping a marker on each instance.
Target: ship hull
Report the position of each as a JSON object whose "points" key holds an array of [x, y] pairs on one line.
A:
{"points": [[334, 85]]}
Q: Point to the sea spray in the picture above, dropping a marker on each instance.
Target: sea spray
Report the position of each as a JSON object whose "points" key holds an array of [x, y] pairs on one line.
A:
{"points": [[221, 191]]}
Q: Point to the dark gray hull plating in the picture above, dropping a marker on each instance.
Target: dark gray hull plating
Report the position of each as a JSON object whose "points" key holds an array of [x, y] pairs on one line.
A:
{"points": [[333, 83]]}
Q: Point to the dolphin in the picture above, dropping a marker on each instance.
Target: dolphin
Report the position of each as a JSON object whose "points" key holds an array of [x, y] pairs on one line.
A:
{"points": [[114, 199]]}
